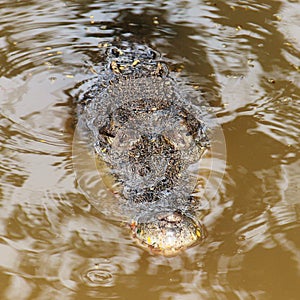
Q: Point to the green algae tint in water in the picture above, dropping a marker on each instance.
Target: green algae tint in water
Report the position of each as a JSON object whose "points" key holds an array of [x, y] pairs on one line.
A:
{"points": [[243, 57]]}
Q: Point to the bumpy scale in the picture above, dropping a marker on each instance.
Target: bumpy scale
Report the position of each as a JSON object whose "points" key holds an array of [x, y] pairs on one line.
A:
{"points": [[144, 129]]}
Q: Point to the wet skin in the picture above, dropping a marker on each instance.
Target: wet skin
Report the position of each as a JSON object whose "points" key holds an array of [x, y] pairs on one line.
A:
{"points": [[143, 128]]}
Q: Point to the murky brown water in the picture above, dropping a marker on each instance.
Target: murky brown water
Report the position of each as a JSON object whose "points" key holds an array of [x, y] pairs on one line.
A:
{"points": [[244, 56]]}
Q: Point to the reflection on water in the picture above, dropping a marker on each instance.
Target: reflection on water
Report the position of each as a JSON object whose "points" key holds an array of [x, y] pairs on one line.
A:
{"points": [[243, 58]]}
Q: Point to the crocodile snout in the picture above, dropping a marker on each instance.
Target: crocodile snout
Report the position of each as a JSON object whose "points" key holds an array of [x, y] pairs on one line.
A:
{"points": [[168, 232]]}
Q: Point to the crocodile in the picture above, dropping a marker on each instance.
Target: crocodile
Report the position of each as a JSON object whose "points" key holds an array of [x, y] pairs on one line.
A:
{"points": [[151, 136]]}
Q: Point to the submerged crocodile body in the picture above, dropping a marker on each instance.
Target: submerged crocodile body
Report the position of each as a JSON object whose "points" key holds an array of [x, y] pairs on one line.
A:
{"points": [[151, 137]]}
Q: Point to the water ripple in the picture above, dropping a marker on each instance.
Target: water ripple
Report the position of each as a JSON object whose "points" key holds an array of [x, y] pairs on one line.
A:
{"points": [[98, 277], [244, 58]]}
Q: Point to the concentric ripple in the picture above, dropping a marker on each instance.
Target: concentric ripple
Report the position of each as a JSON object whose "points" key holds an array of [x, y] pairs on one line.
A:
{"points": [[98, 278]]}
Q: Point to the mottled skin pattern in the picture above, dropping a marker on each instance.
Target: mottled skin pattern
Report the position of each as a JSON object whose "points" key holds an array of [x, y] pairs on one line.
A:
{"points": [[149, 135]]}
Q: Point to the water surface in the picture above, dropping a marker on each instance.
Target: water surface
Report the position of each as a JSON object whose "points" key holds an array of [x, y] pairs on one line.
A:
{"points": [[243, 59]]}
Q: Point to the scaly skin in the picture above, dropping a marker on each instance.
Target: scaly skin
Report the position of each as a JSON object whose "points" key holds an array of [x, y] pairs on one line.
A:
{"points": [[149, 135]]}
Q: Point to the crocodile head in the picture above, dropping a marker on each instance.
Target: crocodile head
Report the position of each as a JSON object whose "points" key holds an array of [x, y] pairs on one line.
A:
{"points": [[167, 232]]}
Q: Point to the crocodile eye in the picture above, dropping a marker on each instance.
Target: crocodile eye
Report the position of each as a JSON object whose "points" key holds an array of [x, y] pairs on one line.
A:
{"points": [[151, 54], [115, 52]]}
